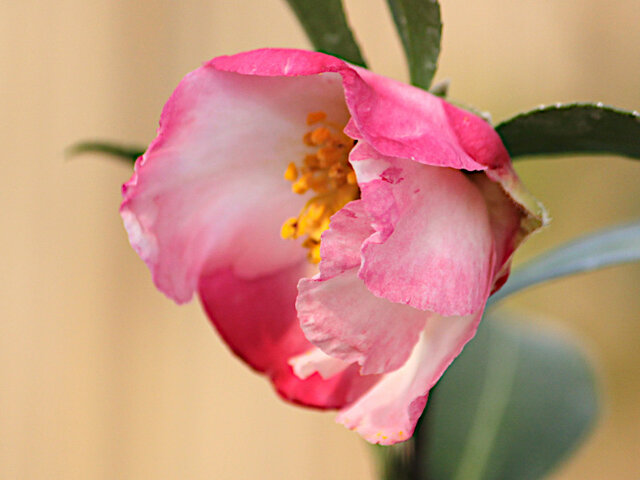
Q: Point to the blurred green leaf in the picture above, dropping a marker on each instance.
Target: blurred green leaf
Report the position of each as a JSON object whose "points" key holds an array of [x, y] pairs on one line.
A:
{"points": [[325, 23], [514, 404], [128, 153], [420, 28], [605, 248], [572, 129]]}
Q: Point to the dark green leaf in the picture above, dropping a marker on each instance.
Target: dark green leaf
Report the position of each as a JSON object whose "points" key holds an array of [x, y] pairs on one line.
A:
{"points": [[325, 23], [128, 153], [597, 250], [419, 26], [572, 129], [515, 403]]}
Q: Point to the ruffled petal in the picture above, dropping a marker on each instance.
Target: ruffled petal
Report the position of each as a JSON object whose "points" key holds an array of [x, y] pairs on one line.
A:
{"points": [[395, 118], [433, 247], [341, 243], [337, 312], [341, 317], [388, 412], [257, 319], [209, 192]]}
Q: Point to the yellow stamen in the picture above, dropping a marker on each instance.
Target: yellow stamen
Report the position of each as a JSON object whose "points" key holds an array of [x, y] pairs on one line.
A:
{"points": [[328, 174], [315, 117], [314, 254], [291, 173], [301, 186], [289, 228], [320, 135]]}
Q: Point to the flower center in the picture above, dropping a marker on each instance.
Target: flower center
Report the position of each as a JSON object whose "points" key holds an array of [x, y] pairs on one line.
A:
{"points": [[328, 174]]}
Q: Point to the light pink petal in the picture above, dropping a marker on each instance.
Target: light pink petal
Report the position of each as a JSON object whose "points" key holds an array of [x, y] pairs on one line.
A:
{"points": [[341, 317], [315, 360], [340, 245], [388, 412], [397, 119], [433, 248], [257, 319], [209, 192]]}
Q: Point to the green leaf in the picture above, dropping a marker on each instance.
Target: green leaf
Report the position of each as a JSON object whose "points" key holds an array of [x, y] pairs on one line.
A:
{"points": [[128, 153], [597, 250], [515, 403], [419, 26], [573, 129], [325, 23]]}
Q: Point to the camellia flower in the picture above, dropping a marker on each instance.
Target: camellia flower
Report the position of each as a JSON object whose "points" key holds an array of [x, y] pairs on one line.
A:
{"points": [[343, 230]]}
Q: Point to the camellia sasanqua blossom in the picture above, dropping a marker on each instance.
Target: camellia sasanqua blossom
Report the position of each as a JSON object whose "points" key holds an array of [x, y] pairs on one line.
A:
{"points": [[342, 230]]}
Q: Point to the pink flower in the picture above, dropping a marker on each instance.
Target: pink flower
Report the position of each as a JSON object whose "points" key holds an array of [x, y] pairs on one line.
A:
{"points": [[249, 164]]}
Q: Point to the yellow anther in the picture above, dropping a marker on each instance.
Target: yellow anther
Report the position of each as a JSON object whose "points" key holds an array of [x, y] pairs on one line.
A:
{"points": [[311, 161], [309, 243], [306, 139], [329, 155], [314, 254], [320, 135], [328, 174], [338, 171], [301, 185], [289, 228], [315, 117], [291, 173]]}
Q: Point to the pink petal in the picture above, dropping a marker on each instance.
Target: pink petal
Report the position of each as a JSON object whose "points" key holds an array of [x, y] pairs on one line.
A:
{"points": [[338, 313], [514, 215], [315, 360], [395, 118], [388, 412], [340, 246], [477, 137], [209, 193], [257, 319], [433, 248], [341, 317], [506, 219]]}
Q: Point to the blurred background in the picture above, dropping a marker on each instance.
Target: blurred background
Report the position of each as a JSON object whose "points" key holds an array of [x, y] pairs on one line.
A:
{"points": [[102, 377]]}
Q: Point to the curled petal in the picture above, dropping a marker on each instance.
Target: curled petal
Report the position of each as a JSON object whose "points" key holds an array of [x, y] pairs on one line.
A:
{"points": [[315, 360], [340, 246], [257, 319], [477, 137], [340, 316], [433, 247], [395, 118], [337, 312], [209, 192], [388, 412]]}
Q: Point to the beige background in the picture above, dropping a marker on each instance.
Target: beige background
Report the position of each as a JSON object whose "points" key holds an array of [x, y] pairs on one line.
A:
{"points": [[102, 377]]}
